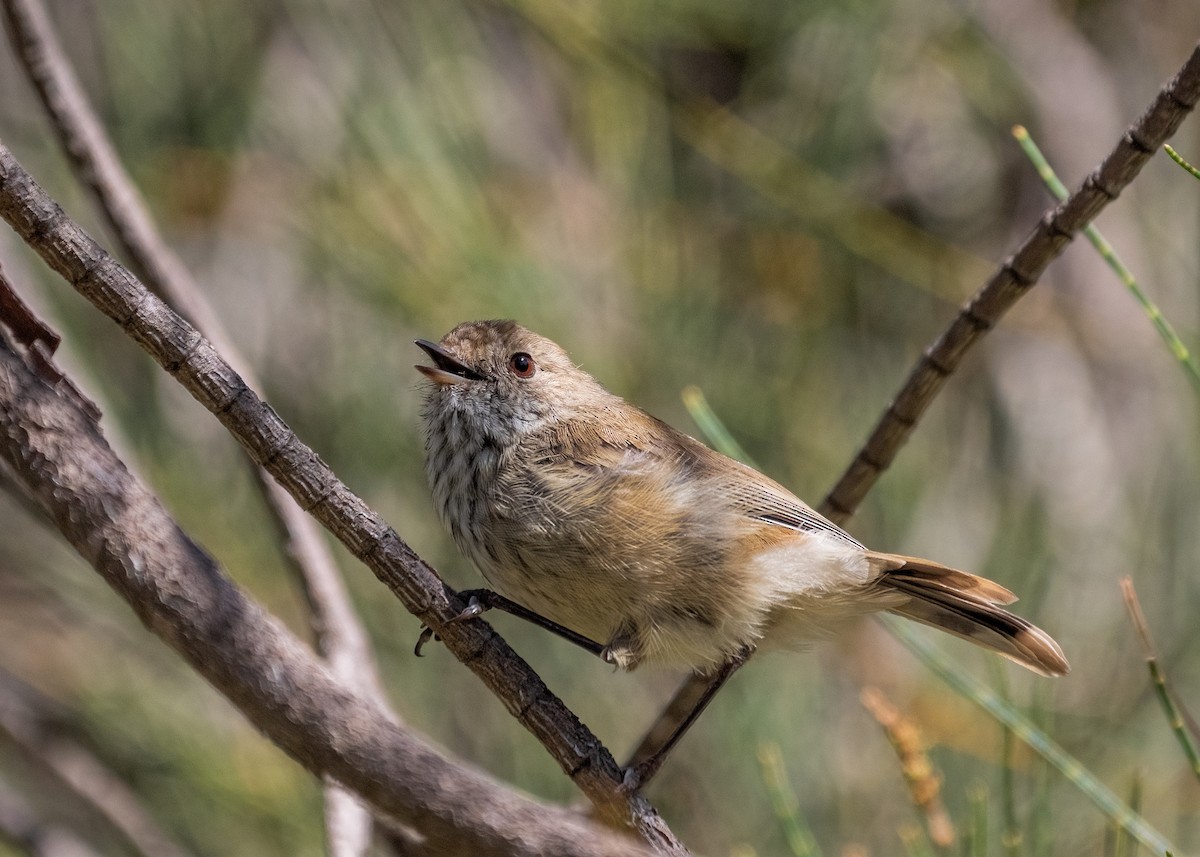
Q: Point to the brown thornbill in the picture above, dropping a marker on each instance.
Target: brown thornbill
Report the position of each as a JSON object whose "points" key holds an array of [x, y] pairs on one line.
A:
{"points": [[646, 546]]}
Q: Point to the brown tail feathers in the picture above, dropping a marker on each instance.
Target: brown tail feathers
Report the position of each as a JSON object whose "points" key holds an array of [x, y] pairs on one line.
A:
{"points": [[969, 607]]}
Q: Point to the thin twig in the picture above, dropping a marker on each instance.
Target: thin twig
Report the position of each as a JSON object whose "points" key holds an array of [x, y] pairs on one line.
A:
{"points": [[59, 455], [340, 636], [27, 329], [922, 778], [190, 359], [1179, 159], [1177, 716], [41, 341]]}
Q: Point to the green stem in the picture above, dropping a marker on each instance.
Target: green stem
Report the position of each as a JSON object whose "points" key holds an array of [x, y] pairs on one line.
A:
{"points": [[1011, 838], [1158, 678], [783, 800], [1178, 158], [712, 427]]}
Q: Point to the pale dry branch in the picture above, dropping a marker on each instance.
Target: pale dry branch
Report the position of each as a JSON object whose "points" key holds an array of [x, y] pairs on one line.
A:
{"points": [[190, 359], [22, 827], [93, 157]]}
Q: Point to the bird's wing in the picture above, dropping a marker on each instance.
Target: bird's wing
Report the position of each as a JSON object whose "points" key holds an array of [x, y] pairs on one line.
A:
{"points": [[763, 499], [770, 502], [755, 495]]}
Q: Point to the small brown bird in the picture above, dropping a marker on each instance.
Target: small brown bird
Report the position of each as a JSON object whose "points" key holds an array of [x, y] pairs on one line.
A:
{"points": [[600, 518]]}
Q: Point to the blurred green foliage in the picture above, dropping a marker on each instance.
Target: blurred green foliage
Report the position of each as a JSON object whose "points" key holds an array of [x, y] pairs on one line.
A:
{"points": [[780, 203]]}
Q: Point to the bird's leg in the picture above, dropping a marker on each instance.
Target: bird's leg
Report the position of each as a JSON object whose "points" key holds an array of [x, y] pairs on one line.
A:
{"points": [[624, 648], [640, 770], [480, 601]]}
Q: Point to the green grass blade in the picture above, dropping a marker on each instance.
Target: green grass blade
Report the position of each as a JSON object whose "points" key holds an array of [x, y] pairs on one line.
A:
{"points": [[1011, 837], [1129, 847], [712, 427], [977, 841], [1180, 351], [771, 168], [1176, 717], [1040, 823], [784, 802]]}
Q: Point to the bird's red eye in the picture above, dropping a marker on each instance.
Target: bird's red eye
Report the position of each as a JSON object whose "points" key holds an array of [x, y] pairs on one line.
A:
{"points": [[522, 365]]}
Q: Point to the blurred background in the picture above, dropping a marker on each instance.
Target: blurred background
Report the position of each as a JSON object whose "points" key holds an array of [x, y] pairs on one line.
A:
{"points": [[779, 202]]}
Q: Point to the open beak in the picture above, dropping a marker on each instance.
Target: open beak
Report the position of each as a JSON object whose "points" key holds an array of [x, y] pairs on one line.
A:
{"points": [[448, 369]]}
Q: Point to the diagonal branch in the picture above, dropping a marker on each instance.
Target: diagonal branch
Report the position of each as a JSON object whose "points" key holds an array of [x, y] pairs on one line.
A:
{"points": [[339, 634], [1009, 283], [1016, 276], [190, 359], [56, 451]]}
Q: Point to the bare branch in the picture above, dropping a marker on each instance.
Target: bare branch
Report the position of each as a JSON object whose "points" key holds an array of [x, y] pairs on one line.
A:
{"points": [[181, 595], [192, 360], [340, 635], [27, 329], [90, 152]]}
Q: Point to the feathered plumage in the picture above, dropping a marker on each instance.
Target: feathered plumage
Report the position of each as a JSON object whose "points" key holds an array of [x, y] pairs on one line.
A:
{"points": [[602, 518]]}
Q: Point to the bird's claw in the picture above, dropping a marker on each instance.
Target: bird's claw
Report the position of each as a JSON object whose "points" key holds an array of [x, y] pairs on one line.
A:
{"points": [[426, 635], [609, 656], [475, 607]]}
